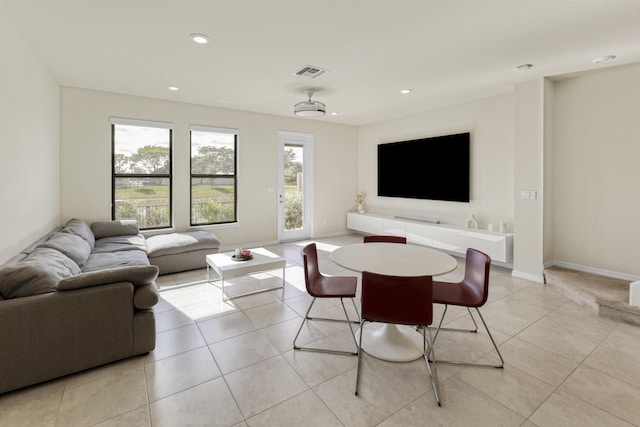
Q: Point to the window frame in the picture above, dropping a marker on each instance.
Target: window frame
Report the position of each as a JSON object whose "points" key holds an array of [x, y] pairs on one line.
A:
{"points": [[114, 176], [234, 177]]}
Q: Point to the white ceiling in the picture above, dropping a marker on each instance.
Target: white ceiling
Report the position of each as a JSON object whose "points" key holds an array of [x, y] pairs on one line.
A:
{"points": [[446, 51]]}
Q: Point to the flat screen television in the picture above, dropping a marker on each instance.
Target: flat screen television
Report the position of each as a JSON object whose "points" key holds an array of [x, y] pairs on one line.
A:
{"points": [[434, 168]]}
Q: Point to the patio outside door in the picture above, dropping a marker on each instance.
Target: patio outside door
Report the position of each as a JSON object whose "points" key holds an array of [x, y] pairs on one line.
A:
{"points": [[295, 211]]}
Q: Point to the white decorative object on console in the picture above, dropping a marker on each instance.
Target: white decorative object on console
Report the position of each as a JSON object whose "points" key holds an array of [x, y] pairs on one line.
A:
{"points": [[360, 201], [499, 246], [472, 222]]}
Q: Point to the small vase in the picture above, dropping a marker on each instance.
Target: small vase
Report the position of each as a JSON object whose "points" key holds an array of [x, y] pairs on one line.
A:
{"points": [[472, 222], [361, 208]]}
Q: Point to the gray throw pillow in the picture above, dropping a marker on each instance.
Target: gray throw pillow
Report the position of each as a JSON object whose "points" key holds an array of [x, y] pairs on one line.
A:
{"points": [[138, 275], [115, 228], [82, 229], [38, 273], [71, 245]]}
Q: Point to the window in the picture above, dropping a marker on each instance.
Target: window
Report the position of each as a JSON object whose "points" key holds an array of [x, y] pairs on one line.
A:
{"points": [[213, 175], [141, 186]]}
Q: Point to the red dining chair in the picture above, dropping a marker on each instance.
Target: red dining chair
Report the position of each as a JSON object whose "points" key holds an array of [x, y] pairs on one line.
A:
{"points": [[471, 292], [400, 300], [324, 286], [385, 239]]}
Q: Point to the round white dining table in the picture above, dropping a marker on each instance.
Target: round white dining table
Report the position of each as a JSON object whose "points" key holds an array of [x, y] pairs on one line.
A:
{"points": [[386, 341]]}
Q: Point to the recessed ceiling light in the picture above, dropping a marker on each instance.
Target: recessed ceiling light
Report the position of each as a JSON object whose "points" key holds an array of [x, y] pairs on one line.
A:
{"points": [[405, 91], [334, 113], [174, 88], [199, 38], [603, 59], [523, 67]]}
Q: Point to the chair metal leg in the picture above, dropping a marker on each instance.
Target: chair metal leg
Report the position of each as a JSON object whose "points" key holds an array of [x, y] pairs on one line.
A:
{"points": [[487, 365], [321, 350], [353, 301], [501, 365], [355, 322], [475, 325], [433, 373], [359, 356], [353, 335]]}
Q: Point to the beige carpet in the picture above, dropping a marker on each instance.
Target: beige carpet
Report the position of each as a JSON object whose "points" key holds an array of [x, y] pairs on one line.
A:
{"points": [[605, 296]]}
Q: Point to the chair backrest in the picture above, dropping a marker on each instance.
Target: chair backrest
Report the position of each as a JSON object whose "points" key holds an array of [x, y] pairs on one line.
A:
{"points": [[385, 239], [476, 276], [311, 270], [397, 299]]}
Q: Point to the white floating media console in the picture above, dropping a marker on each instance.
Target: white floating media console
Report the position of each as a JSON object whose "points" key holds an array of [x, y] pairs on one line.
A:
{"points": [[428, 232]]}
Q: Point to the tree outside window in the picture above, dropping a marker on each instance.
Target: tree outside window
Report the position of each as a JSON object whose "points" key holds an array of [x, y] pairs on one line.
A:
{"points": [[293, 187], [142, 172], [213, 175]]}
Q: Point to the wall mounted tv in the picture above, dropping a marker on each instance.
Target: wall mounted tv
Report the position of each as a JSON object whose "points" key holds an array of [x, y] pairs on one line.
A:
{"points": [[434, 168]]}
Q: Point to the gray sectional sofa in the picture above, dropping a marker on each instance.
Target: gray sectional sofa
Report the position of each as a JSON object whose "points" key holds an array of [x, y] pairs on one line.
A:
{"points": [[79, 297]]}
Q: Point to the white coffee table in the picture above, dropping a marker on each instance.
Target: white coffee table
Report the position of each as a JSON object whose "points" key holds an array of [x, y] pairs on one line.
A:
{"points": [[226, 267]]}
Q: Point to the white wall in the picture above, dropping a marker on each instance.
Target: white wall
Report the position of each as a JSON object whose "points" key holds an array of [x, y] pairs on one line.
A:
{"points": [[528, 245], [29, 119], [490, 122], [86, 162], [596, 170]]}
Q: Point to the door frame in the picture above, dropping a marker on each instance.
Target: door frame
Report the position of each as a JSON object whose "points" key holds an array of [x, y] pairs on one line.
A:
{"points": [[306, 140]]}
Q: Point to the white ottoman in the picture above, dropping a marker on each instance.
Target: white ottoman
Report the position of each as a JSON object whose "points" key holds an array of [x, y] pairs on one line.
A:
{"points": [[177, 252]]}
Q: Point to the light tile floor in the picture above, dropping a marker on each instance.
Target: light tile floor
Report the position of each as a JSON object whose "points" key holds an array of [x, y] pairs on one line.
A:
{"points": [[232, 364]]}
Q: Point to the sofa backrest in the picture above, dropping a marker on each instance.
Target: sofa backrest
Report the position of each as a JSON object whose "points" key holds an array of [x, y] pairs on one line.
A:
{"points": [[38, 273], [39, 267], [64, 253]]}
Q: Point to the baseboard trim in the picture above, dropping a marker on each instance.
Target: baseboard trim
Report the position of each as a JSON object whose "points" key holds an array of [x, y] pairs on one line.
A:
{"points": [[248, 245], [593, 270], [335, 234], [527, 276]]}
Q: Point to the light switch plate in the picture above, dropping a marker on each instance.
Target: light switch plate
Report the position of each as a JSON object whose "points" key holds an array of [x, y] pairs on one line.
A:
{"points": [[528, 194]]}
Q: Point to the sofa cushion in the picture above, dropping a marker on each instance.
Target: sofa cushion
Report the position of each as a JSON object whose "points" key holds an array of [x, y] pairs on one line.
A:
{"points": [[176, 243], [138, 275], [80, 228], [115, 228], [120, 243], [38, 273], [71, 245], [102, 261]]}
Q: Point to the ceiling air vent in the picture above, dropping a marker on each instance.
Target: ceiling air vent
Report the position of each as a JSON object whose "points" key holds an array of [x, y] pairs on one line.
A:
{"points": [[310, 71]]}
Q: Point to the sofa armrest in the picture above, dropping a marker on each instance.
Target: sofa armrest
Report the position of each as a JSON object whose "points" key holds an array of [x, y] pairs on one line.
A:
{"points": [[145, 296], [139, 275]]}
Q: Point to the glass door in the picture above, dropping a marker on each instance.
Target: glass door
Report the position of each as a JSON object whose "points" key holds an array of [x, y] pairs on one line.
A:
{"points": [[294, 186]]}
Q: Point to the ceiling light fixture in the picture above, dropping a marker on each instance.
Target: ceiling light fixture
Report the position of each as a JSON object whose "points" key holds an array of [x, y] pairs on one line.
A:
{"points": [[405, 91], [199, 38], [309, 108], [524, 67], [174, 88], [603, 59]]}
